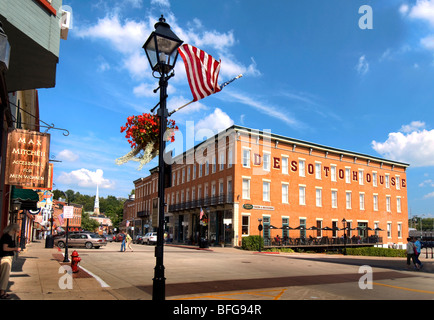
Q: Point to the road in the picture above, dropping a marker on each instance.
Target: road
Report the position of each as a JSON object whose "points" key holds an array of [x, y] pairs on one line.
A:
{"points": [[227, 273]]}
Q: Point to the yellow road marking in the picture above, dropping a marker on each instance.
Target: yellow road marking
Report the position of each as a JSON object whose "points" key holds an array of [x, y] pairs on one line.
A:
{"points": [[227, 295], [402, 288]]}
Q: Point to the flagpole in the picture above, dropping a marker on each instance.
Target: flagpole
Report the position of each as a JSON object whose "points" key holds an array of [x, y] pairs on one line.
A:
{"points": [[221, 87], [181, 107]]}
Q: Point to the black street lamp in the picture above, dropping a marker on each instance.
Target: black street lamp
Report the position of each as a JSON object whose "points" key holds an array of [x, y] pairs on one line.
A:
{"points": [[260, 236], [5, 50], [344, 222], [162, 51]]}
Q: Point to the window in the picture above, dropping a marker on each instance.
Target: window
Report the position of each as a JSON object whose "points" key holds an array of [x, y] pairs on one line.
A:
{"points": [[333, 172], [222, 160], [388, 209], [246, 158], [206, 167], [183, 176], [302, 195], [318, 193], [389, 229], [245, 225], [194, 171], [399, 230], [387, 181], [246, 188], [334, 198], [267, 164], [398, 204], [375, 200], [347, 175], [265, 190], [285, 165], [362, 201], [200, 170], [317, 170], [188, 173], [360, 177], [398, 184], [348, 199], [214, 164], [230, 158], [374, 179], [302, 169], [284, 192]]}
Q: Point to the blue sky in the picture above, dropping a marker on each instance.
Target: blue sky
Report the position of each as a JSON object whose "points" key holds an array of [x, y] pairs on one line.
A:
{"points": [[310, 73]]}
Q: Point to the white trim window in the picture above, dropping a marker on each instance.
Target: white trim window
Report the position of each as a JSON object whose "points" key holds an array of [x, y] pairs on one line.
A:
{"points": [[266, 190], [246, 188], [302, 195]]}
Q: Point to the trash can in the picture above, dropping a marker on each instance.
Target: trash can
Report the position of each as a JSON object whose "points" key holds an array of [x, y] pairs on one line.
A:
{"points": [[49, 241], [203, 243]]}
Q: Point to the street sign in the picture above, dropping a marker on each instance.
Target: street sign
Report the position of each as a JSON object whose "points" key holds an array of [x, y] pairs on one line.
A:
{"points": [[68, 212]]}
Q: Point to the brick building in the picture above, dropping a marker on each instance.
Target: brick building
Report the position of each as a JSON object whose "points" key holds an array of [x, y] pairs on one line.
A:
{"points": [[241, 175]]}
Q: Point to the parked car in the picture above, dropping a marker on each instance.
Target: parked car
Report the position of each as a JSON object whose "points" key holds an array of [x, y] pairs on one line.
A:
{"points": [[82, 239], [109, 237], [118, 237], [138, 239], [150, 237]]}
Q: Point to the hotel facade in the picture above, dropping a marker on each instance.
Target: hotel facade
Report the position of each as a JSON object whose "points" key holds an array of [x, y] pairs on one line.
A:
{"points": [[223, 188]]}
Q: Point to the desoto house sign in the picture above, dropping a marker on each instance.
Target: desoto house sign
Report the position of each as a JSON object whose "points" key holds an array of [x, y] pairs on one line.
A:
{"points": [[27, 159]]}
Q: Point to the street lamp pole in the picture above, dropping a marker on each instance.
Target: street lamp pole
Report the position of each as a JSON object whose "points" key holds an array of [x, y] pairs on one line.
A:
{"points": [[344, 222], [162, 51]]}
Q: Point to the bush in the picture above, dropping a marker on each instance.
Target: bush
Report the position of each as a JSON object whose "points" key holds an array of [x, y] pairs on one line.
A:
{"points": [[251, 243], [377, 252]]}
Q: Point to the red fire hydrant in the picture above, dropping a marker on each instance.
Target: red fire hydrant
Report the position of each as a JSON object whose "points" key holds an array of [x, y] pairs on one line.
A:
{"points": [[75, 259]]}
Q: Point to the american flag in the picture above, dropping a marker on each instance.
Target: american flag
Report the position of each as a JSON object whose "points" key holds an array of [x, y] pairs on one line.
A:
{"points": [[202, 71], [201, 213]]}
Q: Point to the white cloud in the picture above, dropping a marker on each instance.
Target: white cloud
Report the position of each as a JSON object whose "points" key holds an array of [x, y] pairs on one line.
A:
{"points": [[423, 10], [85, 178], [163, 3], [269, 110], [124, 37], [362, 66], [428, 42], [429, 195], [67, 155], [216, 121], [413, 126], [412, 146]]}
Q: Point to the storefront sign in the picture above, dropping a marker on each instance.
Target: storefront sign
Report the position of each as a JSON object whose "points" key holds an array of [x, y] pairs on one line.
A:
{"points": [[248, 206], [27, 159]]}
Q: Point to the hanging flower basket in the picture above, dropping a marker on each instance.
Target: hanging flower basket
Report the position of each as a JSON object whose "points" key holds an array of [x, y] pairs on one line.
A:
{"points": [[142, 133]]}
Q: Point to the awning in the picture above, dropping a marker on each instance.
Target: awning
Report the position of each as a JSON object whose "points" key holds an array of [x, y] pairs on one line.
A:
{"points": [[27, 197]]}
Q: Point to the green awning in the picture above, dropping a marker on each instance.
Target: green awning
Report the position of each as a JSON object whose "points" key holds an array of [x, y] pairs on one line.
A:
{"points": [[27, 197]]}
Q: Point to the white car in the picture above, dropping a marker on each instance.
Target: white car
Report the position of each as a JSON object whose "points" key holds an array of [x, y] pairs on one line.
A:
{"points": [[150, 237]]}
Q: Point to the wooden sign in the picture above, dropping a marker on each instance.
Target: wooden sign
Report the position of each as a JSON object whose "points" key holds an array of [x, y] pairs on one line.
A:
{"points": [[27, 159]]}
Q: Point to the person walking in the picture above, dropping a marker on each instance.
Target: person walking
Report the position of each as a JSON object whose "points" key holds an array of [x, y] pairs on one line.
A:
{"points": [[411, 254], [418, 247], [123, 241], [7, 250], [129, 240]]}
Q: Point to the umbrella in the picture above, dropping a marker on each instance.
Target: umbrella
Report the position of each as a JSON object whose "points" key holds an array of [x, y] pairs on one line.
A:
{"points": [[378, 229], [287, 228]]}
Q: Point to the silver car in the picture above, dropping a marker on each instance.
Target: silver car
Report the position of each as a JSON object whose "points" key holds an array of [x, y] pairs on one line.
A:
{"points": [[150, 237], [87, 240]]}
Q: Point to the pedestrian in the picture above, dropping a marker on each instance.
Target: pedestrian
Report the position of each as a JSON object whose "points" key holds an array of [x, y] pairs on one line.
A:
{"points": [[411, 253], [7, 250], [123, 241], [129, 240], [418, 247]]}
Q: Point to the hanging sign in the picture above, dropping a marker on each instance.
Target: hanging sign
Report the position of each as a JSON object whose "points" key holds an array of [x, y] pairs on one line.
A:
{"points": [[27, 159], [68, 212]]}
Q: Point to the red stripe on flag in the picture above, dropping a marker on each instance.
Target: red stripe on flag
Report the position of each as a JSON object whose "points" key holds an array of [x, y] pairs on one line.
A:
{"points": [[202, 71]]}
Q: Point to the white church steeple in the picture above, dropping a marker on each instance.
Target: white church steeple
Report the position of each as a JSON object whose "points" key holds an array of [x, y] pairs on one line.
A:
{"points": [[96, 207]]}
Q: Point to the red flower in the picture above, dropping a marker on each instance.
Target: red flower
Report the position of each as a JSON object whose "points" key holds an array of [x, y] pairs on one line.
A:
{"points": [[144, 128]]}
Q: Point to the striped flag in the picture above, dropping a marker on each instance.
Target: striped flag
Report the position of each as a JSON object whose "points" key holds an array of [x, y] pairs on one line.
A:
{"points": [[201, 213], [202, 71]]}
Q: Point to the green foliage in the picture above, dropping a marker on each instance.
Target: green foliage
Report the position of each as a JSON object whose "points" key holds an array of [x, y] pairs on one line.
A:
{"points": [[251, 243], [377, 252], [287, 250], [111, 206]]}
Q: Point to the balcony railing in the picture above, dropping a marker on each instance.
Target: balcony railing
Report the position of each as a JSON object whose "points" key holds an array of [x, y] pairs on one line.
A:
{"points": [[203, 202]]}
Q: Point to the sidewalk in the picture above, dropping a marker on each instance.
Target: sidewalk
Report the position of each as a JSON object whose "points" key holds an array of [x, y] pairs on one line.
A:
{"points": [[37, 274]]}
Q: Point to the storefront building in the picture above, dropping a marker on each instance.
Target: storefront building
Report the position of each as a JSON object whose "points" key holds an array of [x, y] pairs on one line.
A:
{"points": [[223, 188]]}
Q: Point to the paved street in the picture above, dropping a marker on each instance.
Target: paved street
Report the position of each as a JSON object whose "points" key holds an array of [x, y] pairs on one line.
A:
{"points": [[226, 273]]}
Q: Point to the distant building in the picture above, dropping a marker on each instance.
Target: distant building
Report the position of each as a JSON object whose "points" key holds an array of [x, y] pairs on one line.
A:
{"points": [[242, 175], [59, 222]]}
